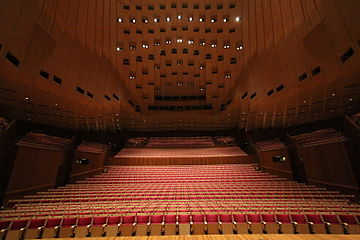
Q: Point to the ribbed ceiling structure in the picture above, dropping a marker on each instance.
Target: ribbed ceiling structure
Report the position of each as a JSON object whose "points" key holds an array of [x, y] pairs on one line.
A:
{"points": [[108, 65]]}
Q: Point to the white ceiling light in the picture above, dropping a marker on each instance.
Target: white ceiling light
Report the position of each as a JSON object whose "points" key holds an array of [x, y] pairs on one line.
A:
{"points": [[168, 19], [237, 19], [179, 17]]}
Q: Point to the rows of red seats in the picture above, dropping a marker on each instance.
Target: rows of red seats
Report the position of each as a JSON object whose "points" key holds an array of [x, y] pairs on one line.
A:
{"points": [[236, 223], [209, 193]]}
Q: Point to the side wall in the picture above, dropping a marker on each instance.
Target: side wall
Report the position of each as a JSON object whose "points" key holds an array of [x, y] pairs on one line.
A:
{"points": [[329, 166], [34, 169]]}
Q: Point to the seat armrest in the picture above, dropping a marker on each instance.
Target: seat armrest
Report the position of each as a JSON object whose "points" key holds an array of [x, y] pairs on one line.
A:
{"points": [[311, 226], [346, 228]]}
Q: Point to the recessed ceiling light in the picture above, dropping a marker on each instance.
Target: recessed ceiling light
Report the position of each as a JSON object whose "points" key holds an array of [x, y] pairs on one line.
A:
{"points": [[190, 19], [26, 98], [133, 20], [225, 20], [156, 20], [237, 19], [179, 17], [201, 19], [168, 19], [119, 20]]}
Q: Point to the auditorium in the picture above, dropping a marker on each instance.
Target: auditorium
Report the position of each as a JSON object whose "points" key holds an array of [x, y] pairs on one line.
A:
{"points": [[180, 119]]}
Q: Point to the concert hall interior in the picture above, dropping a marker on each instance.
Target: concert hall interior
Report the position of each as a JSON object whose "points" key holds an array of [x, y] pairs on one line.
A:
{"points": [[180, 119]]}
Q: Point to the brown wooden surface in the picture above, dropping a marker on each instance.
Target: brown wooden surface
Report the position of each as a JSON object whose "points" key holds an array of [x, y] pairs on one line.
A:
{"points": [[241, 237], [282, 169], [79, 172]]}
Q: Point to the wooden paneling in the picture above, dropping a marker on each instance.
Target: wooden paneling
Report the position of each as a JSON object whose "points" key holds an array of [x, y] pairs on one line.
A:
{"points": [[328, 165], [34, 169], [267, 164], [79, 171]]}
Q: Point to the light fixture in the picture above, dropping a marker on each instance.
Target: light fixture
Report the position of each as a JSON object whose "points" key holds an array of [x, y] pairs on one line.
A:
{"points": [[201, 19], [179, 17], [133, 20], [191, 41], [119, 20], [156, 20], [213, 45], [239, 47], [168, 19], [202, 43], [225, 20], [26, 98], [190, 19], [213, 20], [237, 19], [179, 40], [118, 49], [145, 20]]}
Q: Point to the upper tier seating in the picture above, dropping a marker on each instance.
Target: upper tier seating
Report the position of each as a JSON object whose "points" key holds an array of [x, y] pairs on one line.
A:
{"points": [[319, 137], [90, 147], [270, 145], [187, 199], [180, 152], [40, 140]]}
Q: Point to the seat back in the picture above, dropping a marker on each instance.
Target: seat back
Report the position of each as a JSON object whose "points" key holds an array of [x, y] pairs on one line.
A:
{"points": [[170, 219], [84, 221], [255, 218], [126, 220], [184, 218], [314, 218], [330, 218], [53, 222], [299, 218], [284, 218], [349, 219], [269, 218], [225, 218], [156, 219], [35, 223], [211, 218], [113, 220], [67, 222], [4, 224], [99, 221], [143, 219], [18, 224], [198, 218], [239, 218]]}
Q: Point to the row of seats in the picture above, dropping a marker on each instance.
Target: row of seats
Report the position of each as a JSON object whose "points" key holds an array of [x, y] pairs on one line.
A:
{"points": [[180, 225]]}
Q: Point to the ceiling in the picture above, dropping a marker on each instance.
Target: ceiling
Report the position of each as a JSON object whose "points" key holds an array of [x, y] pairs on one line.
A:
{"points": [[109, 65]]}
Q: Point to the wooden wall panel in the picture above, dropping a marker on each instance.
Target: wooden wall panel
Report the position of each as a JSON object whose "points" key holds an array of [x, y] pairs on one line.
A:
{"points": [[79, 172], [34, 169], [328, 165], [282, 169]]}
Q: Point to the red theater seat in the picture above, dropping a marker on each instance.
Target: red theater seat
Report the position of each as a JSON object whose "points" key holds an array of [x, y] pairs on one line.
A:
{"points": [[35, 228], [333, 224], [98, 226], [157, 225], [113, 226], [270, 224], [316, 223], [197, 224], [285, 224], [241, 223], [17, 230], [256, 226], [52, 228], [350, 223], [128, 226], [142, 225], [67, 228], [227, 225], [300, 224], [184, 224], [4, 228], [83, 228], [212, 225]]}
